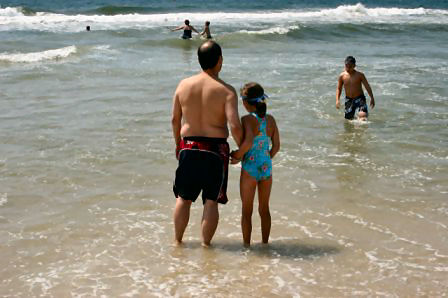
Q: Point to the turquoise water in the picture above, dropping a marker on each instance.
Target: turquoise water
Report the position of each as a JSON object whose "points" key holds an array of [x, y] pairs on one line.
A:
{"points": [[87, 158]]}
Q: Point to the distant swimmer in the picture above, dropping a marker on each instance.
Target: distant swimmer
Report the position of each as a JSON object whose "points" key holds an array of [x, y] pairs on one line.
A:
{"points": [[87, 28], [187, 30], [206, 31], [352, 81]]}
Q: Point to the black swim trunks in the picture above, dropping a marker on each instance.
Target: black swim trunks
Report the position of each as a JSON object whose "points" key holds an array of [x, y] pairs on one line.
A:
{"points": [[353, 104], [203, 166]]}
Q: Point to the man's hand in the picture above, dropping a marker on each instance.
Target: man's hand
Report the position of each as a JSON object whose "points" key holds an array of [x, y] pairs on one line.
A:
{"points": [[177, 150], [233, 157], [372, 102]]}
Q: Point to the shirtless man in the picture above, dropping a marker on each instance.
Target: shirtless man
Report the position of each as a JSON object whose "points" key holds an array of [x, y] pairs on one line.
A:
{"points": [[354, 95], [202, 106]]}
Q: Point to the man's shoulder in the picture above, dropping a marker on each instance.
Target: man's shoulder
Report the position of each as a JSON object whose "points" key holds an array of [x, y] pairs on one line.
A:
{"points": [[191, 79], [187, 82], [228, 88], [360, 74], [222, 87]]}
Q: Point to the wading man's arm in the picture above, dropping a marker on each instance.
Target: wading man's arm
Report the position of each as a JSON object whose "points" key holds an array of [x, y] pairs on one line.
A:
{"points": [[369, 90], [339, 91]]}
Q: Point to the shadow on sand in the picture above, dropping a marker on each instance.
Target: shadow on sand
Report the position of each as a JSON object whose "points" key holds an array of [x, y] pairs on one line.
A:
{"points": [[291, 249]]}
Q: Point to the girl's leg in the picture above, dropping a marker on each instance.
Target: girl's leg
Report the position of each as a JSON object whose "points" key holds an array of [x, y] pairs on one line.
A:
{"points": [[264, 193], [247, 193]]}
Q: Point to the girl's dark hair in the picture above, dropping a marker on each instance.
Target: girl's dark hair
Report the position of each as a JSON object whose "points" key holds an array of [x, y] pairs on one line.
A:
{"points": [[187, 22], [253, 90]]}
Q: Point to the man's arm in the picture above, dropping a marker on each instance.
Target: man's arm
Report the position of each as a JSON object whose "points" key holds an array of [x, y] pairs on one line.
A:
{"points": [[369, 90], [231, 111], [246, 144], [339, 91], [176, 120]]}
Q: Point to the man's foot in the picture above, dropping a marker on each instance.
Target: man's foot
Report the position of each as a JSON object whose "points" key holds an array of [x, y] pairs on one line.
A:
{"points": [[178, 243], [205, 245]]}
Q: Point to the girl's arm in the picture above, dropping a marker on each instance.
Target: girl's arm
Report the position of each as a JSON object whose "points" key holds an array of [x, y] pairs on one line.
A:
{"points": [[275, 138], [248, 127]]}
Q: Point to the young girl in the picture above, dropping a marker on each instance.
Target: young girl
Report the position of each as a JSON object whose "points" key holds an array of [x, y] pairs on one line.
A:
{"points": [[256, 170]]}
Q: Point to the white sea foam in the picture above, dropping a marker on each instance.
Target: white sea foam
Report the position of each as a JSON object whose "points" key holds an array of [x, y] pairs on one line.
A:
{"points": [[273, 30], [38, 56], [3, 199], [11, 12], [12, 18]]}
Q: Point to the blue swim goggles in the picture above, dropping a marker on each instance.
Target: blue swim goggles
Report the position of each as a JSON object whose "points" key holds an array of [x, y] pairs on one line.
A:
{"points": [[256, 99]]}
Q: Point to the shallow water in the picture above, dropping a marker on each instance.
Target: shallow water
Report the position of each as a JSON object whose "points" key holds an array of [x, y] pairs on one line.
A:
{"points": [[87, 158]]}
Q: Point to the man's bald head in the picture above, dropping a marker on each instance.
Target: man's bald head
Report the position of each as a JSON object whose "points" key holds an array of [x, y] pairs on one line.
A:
{"points": [[208, 54]]}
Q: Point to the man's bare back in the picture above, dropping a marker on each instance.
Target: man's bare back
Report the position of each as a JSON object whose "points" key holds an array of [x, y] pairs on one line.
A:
{"points": [[204, 102]]}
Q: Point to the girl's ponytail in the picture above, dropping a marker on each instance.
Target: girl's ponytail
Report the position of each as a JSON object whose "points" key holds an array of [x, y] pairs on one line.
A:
{"points": [[261, 109]]}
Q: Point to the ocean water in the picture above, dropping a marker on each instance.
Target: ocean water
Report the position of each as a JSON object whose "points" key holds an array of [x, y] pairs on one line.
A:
{"points": [[87, 156]]}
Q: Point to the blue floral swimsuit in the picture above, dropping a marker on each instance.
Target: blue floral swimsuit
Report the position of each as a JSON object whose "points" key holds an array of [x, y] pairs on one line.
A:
{"points": [[257, 161]]}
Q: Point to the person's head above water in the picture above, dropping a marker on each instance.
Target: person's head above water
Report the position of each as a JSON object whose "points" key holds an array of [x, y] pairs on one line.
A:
{"points": [[253, 95], [350, 60], [187, 22], [207, 23], [350, 63], [362, 116], [208, 54]]}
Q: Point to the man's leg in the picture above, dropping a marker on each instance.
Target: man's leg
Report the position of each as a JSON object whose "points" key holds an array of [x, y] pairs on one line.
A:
{"points": [[181, 218], [209, 222]]}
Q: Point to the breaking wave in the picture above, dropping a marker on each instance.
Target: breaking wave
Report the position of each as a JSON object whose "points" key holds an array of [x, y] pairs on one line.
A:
{"points": [[38, 56]]}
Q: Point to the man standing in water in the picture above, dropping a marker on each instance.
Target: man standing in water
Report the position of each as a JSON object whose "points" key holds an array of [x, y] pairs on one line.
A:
{"points": [[202, 106], [352, 81]]}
